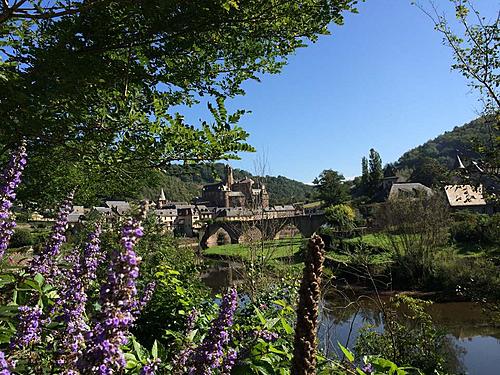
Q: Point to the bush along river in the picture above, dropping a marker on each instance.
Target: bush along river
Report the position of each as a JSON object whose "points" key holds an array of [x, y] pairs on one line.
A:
{"points": [[472, 341]]}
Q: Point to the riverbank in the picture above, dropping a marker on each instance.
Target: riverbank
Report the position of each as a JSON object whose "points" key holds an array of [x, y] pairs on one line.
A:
{"points": [[458, 272]]}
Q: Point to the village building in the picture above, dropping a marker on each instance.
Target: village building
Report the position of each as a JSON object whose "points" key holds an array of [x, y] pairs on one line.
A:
{"points": [[167, 217], [230, 193], [409, 190], [466, 197], [280, 211], [235, 214], [121, 207]]}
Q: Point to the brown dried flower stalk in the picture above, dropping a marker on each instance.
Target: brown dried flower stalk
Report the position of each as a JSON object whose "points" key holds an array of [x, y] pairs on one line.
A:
{"points": [[304, 351]]}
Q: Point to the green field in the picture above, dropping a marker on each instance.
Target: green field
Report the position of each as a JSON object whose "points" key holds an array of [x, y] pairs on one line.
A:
{"points": [[271, 250]]}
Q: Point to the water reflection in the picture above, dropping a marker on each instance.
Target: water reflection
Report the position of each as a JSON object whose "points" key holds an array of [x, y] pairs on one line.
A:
{"points": [[472, 342]]}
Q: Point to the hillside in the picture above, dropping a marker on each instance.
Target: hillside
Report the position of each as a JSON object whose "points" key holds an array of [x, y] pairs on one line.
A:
{"points": [[464, 140], [183, 183]]}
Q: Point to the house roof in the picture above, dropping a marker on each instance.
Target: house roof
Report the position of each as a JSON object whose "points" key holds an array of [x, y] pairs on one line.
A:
{"points": [[175, 204], [116, 203], [245, 180], [103, 210], [78, 209], [120, 206], [236, 211], [184, 206], [216, 186], [410, 189], [464, 195], [74, 217]]}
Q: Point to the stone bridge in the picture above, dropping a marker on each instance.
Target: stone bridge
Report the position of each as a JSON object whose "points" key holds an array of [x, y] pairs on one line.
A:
{"points": [[234, 231]]}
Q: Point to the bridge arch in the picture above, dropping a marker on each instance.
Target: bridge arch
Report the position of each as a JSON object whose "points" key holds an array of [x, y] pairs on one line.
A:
{"points": [[218, 238], [224, 232]]}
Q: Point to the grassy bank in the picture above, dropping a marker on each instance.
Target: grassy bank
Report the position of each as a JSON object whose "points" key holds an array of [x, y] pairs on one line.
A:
{"points": [[272, 250]]}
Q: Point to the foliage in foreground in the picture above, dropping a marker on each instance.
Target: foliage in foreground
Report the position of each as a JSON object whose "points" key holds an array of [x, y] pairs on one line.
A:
{"points": [[71, 309]]}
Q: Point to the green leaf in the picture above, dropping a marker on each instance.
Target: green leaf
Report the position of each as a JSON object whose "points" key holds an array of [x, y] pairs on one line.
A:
{"points": [[39, 279], [154, 350], [260, 316], [271, 323], [348, 354], [288, 329], [6, 279], [137, 348]]}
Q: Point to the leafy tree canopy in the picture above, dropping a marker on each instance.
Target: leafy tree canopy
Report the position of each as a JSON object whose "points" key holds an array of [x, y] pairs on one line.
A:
{"points": [[331, 187], [98, 82]]}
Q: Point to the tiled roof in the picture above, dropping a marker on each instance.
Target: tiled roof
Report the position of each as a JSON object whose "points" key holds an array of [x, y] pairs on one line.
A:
{"points": [[464, 195]]}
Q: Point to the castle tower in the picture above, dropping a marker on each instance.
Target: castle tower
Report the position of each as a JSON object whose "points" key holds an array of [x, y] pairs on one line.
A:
{"points": [[229, 176]]}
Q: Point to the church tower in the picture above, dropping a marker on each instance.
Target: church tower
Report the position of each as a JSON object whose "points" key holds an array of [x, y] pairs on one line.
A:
{"points": [[162, 201], [229, 176]]}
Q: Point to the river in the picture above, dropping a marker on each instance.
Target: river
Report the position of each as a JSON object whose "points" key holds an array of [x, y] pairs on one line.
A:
{"points": [[474, 344]]}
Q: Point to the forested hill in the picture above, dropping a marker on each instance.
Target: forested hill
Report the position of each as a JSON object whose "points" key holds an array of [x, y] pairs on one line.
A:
{"points": [[463, 140], [183, 183]]}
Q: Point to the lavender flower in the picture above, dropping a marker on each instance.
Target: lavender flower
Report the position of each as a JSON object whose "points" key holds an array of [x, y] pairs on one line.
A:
{"points": [[71, 305], [367, 368], [229, 361], [119, 301], [11, 178], [29, 327], [147, 294], [92, 256], [191, 320], [5, 365], [266, 335], [210, 354], [44, 263], [150, 368]]}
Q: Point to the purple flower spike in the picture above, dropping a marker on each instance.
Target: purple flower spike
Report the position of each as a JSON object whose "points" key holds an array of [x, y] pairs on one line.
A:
{"points": [[92, 256], [6, 366], [119, 302], [266, 335], [44, 263], [147, 294], [71, 305], [151, 367], [29, 328], [191, 321], [10, 180], [229, 361], [213, 352]]}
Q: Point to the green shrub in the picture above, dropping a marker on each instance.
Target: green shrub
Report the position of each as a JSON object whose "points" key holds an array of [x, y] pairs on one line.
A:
{"points": [[409, 338], [21, 237], [492, 229], [466, 227], [178, 286], [341, 217]]}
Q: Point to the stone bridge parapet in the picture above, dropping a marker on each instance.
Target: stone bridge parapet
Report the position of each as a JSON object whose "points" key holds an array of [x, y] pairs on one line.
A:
{"points": [[241, 231]]}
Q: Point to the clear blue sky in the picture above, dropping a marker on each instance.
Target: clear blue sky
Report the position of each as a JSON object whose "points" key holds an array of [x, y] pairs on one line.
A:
{"points": [[382, 80]]}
